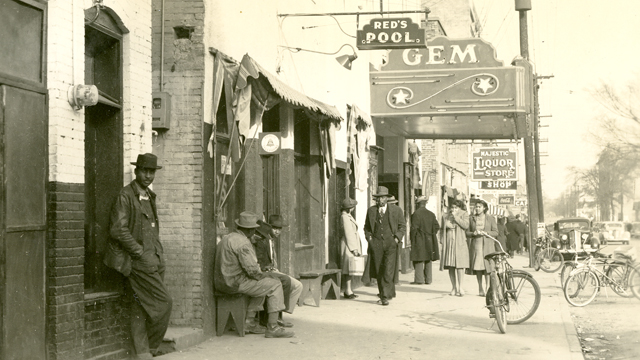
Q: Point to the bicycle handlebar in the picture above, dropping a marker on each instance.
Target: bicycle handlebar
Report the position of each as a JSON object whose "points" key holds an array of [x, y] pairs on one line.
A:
{"points": [[492, 238]]}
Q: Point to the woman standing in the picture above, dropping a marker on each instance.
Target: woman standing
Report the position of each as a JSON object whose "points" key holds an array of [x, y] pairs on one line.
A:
{"points": [[455, 252], [481, 223], [351, 245]]}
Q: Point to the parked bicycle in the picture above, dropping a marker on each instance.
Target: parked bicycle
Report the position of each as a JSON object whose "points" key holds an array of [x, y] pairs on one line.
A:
{"points": [[513, 295], [547, 256], [599, 271]]}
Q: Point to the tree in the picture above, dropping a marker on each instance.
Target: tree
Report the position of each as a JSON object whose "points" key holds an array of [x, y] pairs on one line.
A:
{"points": [[619, 129]]}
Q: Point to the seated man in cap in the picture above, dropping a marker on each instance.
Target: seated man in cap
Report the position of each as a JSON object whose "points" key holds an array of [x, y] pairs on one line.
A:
{"points": [[263, 245], [236, 270]]}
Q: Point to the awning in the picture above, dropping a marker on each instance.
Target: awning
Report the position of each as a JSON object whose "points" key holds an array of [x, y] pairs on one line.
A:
{"points": [[495, 210], [250, 68]]}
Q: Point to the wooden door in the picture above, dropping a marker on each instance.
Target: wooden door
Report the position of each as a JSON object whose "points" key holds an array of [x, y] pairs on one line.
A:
{"points": [[23, 175], [24, 127]]}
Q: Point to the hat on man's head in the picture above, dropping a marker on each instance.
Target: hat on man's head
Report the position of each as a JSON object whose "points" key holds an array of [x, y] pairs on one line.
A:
{"points": [[349, 203], [147, 161], [422, 198], [277, 221], [392, 200], [247, 220], [264, 229], [382, 191]]}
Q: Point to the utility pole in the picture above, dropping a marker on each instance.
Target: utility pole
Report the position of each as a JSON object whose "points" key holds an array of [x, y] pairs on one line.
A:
{"points": [[522, 6]]}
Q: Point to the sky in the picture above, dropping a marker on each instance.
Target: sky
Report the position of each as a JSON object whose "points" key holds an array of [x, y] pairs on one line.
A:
{"points": [[581, 43]]}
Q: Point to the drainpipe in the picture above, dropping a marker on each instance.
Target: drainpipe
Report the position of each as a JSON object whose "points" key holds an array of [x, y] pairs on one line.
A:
{"points": [[162, 46]]}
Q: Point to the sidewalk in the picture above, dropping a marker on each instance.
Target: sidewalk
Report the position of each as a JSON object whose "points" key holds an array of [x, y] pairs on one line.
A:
{"points": [[423, 321]]}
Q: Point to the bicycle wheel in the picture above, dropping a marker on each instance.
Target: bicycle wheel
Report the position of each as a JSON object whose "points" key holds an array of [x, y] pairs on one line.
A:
{"points": [[634, 280], [550, 260], [581, 287], [524, 295], [536, 259], [567, 268], [497, 301], [619, 279]]}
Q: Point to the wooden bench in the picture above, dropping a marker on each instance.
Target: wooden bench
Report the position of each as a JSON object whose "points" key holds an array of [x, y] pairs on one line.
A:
{"points": [[317, 284], [232, 306]]}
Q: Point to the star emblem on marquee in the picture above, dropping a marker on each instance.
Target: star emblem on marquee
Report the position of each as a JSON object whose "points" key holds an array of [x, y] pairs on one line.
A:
{"points": [[401, 97], [484, 84]]}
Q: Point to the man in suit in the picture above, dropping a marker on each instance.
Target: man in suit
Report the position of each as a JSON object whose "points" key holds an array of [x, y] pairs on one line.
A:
{"points": [[384, 229]]}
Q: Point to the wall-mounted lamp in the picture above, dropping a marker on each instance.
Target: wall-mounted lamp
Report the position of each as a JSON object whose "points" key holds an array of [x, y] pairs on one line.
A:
{"points": [[82, 95], [344, 60]]}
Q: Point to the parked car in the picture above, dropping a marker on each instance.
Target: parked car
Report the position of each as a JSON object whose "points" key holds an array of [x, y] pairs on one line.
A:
{"points": [[610, 232], [635, 230], [575, 235]]}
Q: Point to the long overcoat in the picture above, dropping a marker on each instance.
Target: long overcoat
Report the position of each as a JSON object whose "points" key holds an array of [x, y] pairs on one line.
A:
{"points": [[424, 236], [488, 245], [398, 228]]}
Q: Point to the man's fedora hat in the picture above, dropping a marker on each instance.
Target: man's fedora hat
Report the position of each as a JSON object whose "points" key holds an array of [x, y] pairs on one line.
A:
{"points": [[422, 198], [277, 221], [147, 161], [392, 199], [349, 203], [247, 220], [382, 191]]}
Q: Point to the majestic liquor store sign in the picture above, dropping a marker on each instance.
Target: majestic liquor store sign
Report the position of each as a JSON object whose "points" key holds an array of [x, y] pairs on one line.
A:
{"points": [[494, 163]]}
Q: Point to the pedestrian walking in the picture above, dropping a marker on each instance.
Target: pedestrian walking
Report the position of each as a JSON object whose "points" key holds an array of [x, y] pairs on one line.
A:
{"points": [[135, 251], [424, 242], [502, 233], [455, 251], [515, 234], [384, 229]]}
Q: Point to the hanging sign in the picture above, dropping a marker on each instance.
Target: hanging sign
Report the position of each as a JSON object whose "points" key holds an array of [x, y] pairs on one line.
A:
{"points": [[499, 185], [269, 143], [494, 163], [506, 199], [391, 33]]}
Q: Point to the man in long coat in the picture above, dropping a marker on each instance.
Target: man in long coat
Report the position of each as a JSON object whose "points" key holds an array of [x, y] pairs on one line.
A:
{"points": [[515, 236], [424, 242], [384, 228]]}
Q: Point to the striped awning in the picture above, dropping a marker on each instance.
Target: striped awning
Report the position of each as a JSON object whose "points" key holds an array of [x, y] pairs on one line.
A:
{"points": [[496, 210]]}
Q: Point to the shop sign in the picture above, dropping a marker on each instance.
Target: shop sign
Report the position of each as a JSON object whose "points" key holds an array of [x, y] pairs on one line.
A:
{"points": [[494, 163], [269, 143], [521, 202], [499, 185], [542, 229], [506, 199], [391, 33]]}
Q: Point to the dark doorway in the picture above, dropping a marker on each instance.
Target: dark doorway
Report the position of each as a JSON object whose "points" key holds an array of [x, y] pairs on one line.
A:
{"points": [[103, 153]]}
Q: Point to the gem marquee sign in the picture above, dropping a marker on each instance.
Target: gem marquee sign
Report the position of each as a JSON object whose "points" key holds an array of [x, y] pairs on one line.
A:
{"points": [[448, 77]]}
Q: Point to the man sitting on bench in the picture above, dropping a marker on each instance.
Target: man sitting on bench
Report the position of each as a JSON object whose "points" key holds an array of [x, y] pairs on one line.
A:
{"points": [[263, 245], [236, 270]]}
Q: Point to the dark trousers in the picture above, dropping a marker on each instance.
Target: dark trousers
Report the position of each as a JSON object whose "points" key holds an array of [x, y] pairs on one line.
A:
{"points": [[150, 310], [423, 272], [384, 260]]}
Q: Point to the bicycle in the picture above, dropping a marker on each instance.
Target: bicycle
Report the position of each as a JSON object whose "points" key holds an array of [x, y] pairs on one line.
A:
{"points": [[546, 257], [513, 295], [585, 281]]}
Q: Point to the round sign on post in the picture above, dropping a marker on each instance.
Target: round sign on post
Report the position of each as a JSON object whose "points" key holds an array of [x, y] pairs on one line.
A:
{"points": [[269, 143]]}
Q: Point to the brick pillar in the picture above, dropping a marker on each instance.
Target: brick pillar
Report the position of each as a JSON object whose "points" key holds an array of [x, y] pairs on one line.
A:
{"points": [[65, 271]]}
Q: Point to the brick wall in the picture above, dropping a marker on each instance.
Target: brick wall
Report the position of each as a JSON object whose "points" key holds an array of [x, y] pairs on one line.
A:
{"points": [[68, 316], [179, 183]]}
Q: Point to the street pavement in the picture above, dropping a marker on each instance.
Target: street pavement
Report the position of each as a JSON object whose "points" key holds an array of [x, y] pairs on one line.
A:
{"points": [[424, 321]]}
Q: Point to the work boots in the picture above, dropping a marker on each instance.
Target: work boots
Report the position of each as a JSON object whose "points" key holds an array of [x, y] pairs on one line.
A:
{"points": [[277, 331]]}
